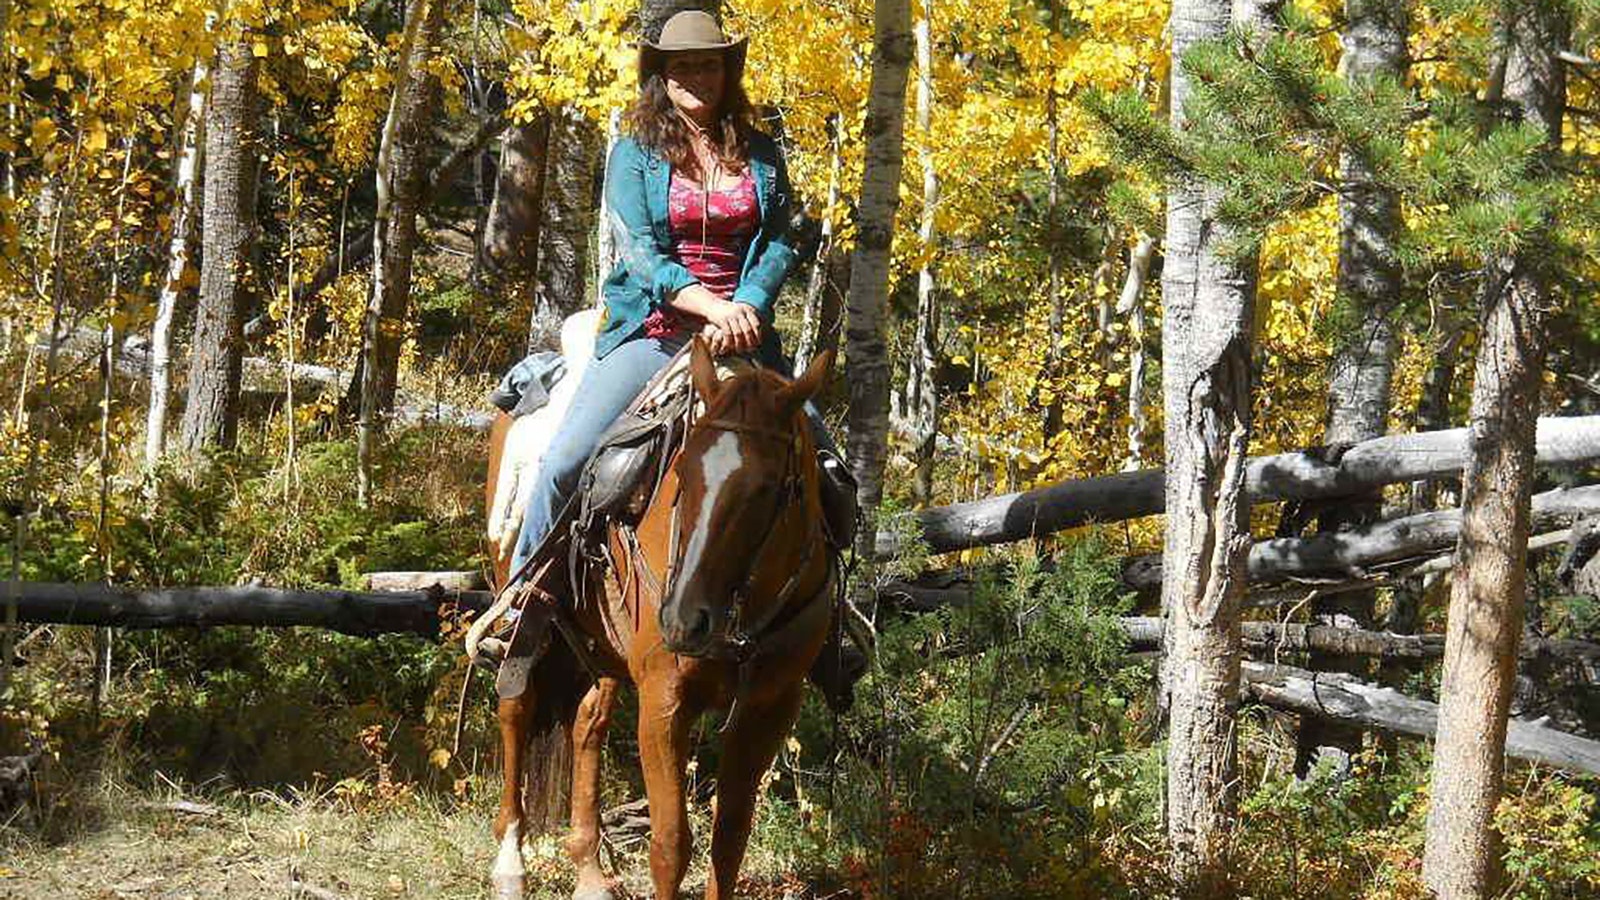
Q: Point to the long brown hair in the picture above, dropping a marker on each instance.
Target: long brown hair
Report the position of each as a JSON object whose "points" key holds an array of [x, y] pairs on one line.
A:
{"points": [[658, 125]]}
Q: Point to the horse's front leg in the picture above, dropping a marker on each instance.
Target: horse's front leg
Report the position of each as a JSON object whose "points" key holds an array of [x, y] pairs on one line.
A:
{"points": [[588, 739], [664, 753], [507, 875], [748, 749]]}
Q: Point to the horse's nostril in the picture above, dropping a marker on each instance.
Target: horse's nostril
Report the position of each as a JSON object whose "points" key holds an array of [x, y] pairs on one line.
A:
{"points": [[699, 625], [687, 627]]}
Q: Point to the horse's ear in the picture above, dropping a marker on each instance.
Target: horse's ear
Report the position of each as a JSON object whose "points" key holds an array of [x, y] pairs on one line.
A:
{"points": [[797, 392], [702, 371]]}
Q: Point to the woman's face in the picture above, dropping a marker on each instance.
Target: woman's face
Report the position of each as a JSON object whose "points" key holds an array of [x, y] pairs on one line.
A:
{"points": [[695, 81]]}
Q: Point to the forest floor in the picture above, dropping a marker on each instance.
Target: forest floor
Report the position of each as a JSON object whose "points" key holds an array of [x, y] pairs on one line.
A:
{"points": [[164, 849], [148, 846]]}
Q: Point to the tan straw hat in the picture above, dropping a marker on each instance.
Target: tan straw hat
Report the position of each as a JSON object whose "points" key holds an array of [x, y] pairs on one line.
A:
{"points": [[691, 29]]}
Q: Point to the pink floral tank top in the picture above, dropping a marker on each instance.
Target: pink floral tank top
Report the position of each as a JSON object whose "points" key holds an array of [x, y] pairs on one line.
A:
{"points": [[711, 231]]}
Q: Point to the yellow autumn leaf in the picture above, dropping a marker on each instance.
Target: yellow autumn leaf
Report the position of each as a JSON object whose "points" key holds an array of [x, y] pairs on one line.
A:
{"points": [[259, 48], [44, 133], [95, 139], [440, 757]]}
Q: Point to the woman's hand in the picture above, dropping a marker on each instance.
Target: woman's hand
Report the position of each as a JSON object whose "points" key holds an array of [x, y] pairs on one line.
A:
{"points": [[739, 324]]}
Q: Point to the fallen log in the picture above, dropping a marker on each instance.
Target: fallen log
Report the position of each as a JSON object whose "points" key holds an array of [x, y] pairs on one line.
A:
{"points": [[1144, 633], [347, 612], [1342, 697], [422, 581], [266, 376], [1307, 475], [1354, 553], [939, 588]]}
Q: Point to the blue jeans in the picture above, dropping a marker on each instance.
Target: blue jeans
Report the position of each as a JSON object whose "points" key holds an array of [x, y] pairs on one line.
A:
{"points": [[609, 384]]}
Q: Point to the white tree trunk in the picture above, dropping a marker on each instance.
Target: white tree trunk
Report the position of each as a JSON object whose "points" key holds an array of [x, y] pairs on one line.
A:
{"points": [[922, 397], [1209, 310], [179, 261], [1131, 305], [1369, 285], [866, 349]]}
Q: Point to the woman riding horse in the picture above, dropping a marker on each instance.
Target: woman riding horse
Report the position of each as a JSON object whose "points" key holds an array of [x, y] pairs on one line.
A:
{"points": [[700, 206], [720, 597]]}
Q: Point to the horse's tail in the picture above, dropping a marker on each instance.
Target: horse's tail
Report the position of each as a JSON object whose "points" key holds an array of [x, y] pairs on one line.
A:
{"points": [[560, 683]]}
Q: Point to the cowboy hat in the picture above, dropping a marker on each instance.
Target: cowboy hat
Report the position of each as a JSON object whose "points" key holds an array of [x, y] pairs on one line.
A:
{"points": [[691, 29]]}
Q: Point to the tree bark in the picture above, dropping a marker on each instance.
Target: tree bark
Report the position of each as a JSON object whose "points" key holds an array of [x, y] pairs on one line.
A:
{"points": [[1208, 304], [1487, 597], [865, 346], [180, 259], [402, 170], [227, 281], [1131, 305], [569, 197], [511, 233], [1369, 285], [922, 396]]}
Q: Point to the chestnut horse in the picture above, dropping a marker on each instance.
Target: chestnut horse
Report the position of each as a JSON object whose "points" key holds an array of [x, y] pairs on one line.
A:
{"points": [[718, 599]]}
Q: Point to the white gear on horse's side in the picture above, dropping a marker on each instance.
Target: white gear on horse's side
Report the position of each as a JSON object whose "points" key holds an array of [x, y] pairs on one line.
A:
{"points": [[530, 434]]}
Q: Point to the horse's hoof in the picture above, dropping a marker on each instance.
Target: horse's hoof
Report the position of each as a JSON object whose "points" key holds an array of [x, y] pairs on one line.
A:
{"points": [[508, 887], [599, 893]]}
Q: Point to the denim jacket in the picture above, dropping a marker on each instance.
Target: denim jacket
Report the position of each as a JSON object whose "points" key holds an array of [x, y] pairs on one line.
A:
{"points": [[648, 272]]}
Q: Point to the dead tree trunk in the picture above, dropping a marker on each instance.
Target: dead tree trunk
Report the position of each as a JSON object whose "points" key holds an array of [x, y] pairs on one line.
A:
{"points": [[1307, 475], [347, 612], [211, 416], [1487, 597], [1208, 306], [1342, 697], [866, 347], [1356, 551], [1369, 284]]}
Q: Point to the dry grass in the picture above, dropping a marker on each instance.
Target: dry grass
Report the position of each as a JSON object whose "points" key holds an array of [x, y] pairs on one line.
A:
{"points": [[174, 844], [107, 840]]}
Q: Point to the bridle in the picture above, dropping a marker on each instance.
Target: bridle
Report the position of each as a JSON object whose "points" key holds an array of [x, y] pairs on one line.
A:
{"points": [[739, 640]]}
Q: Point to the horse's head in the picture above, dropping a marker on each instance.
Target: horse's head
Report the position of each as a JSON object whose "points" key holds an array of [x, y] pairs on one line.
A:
{"points": [[744, 469]]}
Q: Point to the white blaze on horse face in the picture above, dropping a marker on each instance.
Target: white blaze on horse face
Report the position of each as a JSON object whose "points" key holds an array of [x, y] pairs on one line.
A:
{"points": [[717, 466]]}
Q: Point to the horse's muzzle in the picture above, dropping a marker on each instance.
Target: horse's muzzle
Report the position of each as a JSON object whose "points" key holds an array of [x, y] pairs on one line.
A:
{"points": [[688, 629]]}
